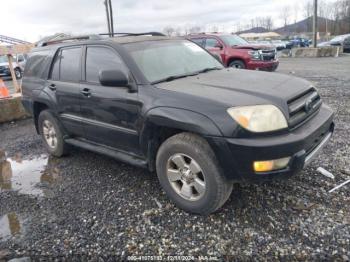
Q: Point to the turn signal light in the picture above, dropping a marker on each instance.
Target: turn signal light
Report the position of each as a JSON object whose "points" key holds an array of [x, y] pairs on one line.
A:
{"points": [[271, 165]]}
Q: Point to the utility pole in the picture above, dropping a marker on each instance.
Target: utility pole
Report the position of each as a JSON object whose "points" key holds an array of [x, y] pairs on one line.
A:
{"points": [[107, 15], [111, 17], [315, 27]]}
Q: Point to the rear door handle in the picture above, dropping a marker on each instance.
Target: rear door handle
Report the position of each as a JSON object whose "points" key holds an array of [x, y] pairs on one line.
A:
{"points": [[86, 92], [52, 87]]}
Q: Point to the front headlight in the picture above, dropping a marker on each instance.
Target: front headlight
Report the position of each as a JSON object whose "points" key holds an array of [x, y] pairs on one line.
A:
{"points": [[259, 118], [255, 55]]}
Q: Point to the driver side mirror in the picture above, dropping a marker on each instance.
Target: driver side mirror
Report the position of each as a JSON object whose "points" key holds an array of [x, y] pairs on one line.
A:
{"points": [[113, 78], [218, 45]]}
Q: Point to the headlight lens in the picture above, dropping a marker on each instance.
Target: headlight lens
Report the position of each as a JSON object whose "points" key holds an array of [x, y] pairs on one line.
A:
{"points": [[260, 118], [255, 55]]}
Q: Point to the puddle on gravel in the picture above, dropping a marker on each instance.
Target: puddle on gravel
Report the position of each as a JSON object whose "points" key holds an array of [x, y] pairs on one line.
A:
{"points": [[28, 176], [10, 225]]}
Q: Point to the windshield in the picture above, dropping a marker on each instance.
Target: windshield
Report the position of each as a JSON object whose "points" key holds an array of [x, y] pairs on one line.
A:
{"points": [[233, 40], [3, 59], [168, 59]]}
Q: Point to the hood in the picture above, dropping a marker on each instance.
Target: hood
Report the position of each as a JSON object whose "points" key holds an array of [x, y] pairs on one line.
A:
{"points": [[4, 64], [233, 87], [254, 47]]}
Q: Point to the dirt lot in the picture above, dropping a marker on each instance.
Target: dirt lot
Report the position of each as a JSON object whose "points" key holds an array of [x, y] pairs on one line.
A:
{"points": [[87, 205]]}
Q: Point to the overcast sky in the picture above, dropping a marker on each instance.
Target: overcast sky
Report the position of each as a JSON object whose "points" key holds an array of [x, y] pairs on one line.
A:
{"points": [[33, 19]]}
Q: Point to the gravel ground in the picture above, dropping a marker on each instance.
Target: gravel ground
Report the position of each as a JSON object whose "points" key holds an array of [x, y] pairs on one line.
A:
{"points": [[86, 205]]}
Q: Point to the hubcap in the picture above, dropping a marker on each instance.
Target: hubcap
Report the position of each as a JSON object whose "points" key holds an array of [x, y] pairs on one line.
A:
{"points": [[186, 177], [17, 73], [49, 134]]}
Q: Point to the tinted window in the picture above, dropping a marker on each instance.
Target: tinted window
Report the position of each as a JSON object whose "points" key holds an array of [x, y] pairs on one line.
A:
{"points": [[70, 65], [101, 58], [211, 43], [36, 64], [198, 41], [55, 72]]}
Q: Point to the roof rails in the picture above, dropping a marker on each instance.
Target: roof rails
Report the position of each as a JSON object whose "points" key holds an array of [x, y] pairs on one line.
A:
{"points": [[93, 37], [134, 34], [70, 39]]}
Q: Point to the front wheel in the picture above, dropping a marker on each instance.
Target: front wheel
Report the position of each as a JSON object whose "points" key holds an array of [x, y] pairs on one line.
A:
{"points": [[237, 64], [190, 174]]}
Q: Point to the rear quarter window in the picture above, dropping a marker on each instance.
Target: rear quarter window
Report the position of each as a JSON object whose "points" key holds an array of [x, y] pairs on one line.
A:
{"points": [[37, 63]]}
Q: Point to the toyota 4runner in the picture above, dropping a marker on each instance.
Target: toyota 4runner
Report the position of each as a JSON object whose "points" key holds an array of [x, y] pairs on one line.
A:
{"points": [[169, 106]]}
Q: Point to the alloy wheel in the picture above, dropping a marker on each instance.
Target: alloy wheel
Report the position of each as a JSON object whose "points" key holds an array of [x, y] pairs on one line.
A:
{"points": [[50, 134], [186, 177]]}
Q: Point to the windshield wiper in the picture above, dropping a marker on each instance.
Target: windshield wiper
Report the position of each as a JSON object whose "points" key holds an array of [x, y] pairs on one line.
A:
{"points": [[171, 78], [208, 69]]}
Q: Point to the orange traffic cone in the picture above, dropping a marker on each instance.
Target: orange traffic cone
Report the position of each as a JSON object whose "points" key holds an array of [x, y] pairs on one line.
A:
{"points": [[4, 92]]}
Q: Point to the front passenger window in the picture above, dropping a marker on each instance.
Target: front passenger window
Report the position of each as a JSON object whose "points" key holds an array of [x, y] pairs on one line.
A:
{"points": [[211, 43], [101, 58]]}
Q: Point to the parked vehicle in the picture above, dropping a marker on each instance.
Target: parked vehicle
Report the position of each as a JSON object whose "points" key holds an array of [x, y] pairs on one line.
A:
{"points": [[342, 40], [279, 44], [169, 106], [237, 52], [298, 42], [5, 68]]}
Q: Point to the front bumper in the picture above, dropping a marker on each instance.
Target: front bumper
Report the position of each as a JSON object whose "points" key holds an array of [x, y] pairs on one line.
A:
{"points": [[236, 155], [5, 72], [271, 65]]}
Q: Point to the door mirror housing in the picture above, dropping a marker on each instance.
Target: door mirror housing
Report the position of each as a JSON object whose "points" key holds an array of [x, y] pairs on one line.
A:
{"points": [[113, 78], [219, 45]]}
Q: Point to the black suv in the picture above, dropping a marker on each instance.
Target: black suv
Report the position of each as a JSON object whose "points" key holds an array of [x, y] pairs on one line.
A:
{"points": [[169, 106]]}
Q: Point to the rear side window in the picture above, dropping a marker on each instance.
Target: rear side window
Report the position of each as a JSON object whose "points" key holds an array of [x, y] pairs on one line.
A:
{"points": [[66, 66], [36, 63], [101, 58], [70, 65], [55, 72]]}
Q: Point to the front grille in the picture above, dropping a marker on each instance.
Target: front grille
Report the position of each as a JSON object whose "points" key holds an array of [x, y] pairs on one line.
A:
{"points": [[268, 55], [303, 107]]}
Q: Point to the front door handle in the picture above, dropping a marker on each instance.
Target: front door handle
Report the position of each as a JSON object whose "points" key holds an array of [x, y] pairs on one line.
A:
{"points": [[52, 87], [86, 92]]}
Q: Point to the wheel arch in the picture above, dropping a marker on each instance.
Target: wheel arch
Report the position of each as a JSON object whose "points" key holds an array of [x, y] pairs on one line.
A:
{"points": [[38, 107], [164, 122], [234, 58]]}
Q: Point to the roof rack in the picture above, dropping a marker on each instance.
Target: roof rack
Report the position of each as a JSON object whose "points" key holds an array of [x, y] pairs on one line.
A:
{"points": [[134, 34], [70, 39]]}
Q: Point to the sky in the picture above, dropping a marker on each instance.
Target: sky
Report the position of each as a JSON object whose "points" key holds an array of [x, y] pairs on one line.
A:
{"points": [[31, 20]]}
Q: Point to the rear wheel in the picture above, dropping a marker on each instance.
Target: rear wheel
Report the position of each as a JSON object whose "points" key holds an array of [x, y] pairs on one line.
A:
{"points": [[52, 133], [237, 64], [190, 174], [18, 73]]}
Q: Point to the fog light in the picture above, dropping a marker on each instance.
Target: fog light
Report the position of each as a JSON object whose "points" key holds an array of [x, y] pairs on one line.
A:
{"points": [[265, 166]]}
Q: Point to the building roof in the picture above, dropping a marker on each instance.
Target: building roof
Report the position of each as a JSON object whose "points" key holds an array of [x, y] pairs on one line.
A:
{"points": [[260, 35]]}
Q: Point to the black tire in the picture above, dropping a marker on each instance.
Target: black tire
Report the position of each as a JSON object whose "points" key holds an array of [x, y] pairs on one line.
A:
{"points": [[18, 73], [237, 64], [60, 148], [217, 187]]}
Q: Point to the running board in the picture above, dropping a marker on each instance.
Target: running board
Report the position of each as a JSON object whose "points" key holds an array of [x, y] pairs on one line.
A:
{"points": [[119, 155]]}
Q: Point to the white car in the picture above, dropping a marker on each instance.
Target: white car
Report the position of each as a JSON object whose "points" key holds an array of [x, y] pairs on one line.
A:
{"points": [[5, 68], [279, 44]]}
